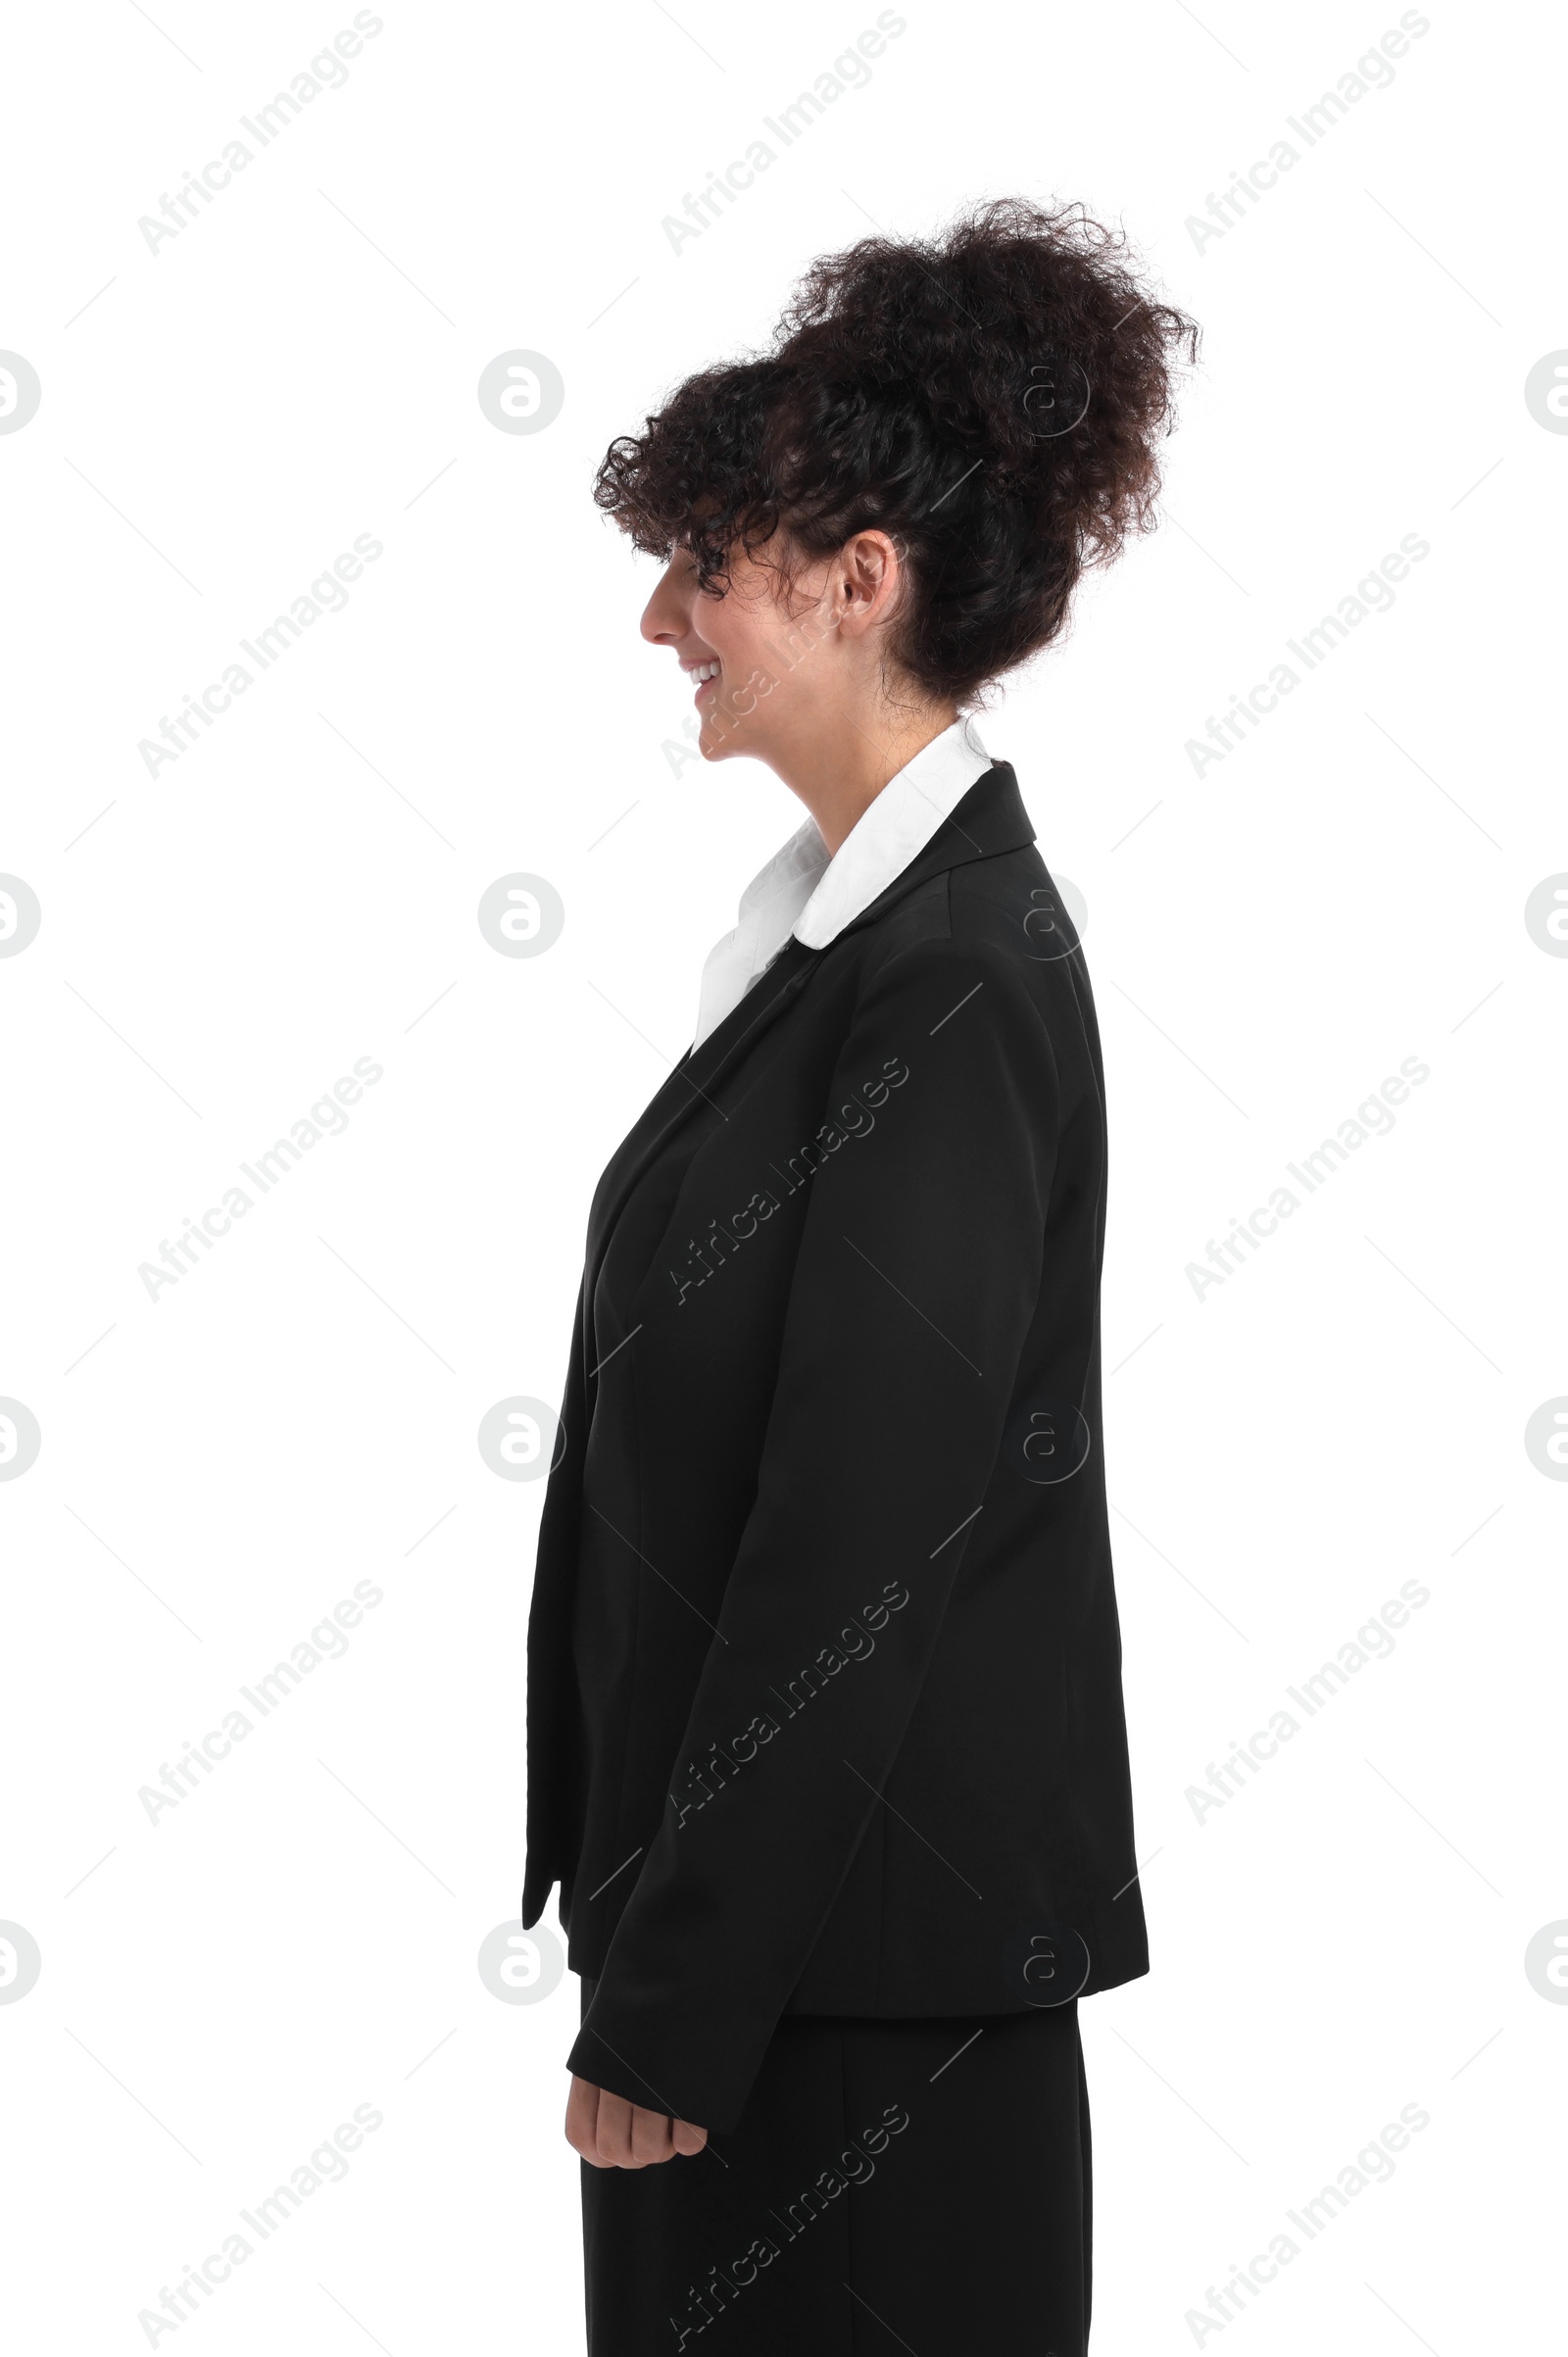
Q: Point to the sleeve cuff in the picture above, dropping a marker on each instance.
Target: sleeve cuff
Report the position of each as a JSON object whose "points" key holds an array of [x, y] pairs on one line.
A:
{"points": [[688, 2084]]}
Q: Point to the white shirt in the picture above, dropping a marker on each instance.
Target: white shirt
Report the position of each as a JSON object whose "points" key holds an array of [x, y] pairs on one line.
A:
{"points": [[804, 892]]}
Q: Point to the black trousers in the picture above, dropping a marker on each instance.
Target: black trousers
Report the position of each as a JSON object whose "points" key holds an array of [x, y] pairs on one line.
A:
{"points": [[922, 2184]]}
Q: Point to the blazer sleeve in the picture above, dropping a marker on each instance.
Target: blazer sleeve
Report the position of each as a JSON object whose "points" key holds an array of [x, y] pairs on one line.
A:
{"points": [[916, 1280]]}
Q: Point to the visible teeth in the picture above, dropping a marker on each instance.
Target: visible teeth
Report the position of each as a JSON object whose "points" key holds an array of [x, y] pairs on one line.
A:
{"points": [[703, 670]]}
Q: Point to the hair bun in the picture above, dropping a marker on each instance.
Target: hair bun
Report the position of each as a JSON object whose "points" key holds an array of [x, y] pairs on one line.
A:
{"points": [[993, 397]]}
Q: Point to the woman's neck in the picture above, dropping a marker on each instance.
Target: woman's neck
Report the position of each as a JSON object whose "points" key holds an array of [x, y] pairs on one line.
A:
{"points": [[842, 770]]}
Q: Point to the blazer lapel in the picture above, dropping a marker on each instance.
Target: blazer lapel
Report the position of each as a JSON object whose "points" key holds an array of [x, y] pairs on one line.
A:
{"points": [[991, 818], [692, 1085]]}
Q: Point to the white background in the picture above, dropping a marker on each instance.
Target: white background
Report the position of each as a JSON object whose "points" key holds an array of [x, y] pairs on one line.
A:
{"points": [[219, 419]]}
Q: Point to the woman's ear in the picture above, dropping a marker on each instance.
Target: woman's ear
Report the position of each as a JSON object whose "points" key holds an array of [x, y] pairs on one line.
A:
{"points": [[868, 575]]}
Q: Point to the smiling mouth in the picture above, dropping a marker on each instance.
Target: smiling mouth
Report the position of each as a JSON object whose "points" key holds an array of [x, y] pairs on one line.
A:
{"points": [[704, 676]]}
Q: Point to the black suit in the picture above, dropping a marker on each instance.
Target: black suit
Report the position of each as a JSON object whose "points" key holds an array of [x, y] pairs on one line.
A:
{"points": [[825, 1671]]}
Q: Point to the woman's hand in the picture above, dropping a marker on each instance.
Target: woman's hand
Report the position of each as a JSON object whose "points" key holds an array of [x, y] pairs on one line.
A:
{"points": [[612, 2133]]}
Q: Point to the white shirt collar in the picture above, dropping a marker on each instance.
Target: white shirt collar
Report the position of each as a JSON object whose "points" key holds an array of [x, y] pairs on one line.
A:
{"points": [[803, 892]]}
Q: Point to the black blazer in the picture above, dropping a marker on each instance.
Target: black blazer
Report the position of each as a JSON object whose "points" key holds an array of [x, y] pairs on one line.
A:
{"points": [[824, 1684]]}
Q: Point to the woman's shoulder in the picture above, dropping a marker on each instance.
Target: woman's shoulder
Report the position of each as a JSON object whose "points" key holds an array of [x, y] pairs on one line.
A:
{"points": [[1000, 915]]}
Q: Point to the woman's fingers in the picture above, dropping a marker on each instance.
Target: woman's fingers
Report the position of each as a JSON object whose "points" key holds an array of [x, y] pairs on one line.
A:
{"points": [[612, 2133], [583, 2117], [650, 2136]]}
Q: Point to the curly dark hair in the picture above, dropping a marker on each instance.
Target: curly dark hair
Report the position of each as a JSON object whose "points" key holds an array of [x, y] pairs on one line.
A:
{"points": [[992, 398]]}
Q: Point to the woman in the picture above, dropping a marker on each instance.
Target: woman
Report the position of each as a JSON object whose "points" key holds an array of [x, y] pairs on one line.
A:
{"points": [[826, 1744]]}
